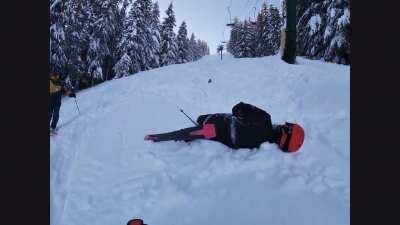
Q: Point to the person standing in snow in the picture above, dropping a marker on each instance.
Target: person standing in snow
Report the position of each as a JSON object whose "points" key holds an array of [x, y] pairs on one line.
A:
{"points": [[57, 90]]}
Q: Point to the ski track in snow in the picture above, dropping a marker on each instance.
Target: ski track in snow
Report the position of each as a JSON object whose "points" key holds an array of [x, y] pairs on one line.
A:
{"points": [[103, 173]]}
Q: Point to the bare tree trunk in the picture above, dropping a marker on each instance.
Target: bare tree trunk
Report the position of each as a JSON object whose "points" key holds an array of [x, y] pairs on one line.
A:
{"points": [[289, 54]]}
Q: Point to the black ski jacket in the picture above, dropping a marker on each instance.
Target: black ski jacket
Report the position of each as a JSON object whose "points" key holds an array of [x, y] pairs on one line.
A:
{"points": [[247, 126]]}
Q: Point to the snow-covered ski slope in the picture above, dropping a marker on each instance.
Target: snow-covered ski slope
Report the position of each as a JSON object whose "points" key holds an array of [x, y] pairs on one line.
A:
{"points": [[104, 173]]}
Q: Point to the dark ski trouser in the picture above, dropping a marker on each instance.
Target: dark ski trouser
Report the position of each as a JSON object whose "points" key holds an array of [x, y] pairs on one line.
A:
{"points": [[206, 131], [55, 104]]}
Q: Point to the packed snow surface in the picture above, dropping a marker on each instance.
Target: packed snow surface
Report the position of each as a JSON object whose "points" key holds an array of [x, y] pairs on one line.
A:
{"points": [[104, 173]]}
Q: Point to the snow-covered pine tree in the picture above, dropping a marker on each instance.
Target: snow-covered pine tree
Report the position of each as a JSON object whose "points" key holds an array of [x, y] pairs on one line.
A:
{"points": [[104, 29], [249, 39], [113, 13], [155, 31], [58, 59], [233, 43], [310, 27], [338, 25], [89, 39], [275, 25], [206, 49], [283, 11], [261, 38], [116, 53], [323, 30], [203, 48], [168, 48], [192, 47], [97, 48], [121, 68], [77, 41], [199, 49], [94, 60], [128, 42], [263, 30], [143, 39], [241, 42], [89, 27], [183, 44]]}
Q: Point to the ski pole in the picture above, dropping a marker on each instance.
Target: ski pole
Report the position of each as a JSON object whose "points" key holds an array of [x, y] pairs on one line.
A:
{"points": [[77, 106], [189, 118]]}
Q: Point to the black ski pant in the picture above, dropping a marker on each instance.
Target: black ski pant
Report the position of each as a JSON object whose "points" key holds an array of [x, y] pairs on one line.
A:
{"points": [[55, 104]]}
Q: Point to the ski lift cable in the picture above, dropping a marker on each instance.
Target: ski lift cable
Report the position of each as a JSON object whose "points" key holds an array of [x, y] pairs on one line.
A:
{"points": [[250, 16], [228, 8], [256, 4], [245, 11], [224, 26], [229, 11], [230, 19], [230, 3], [229, 14], [255, 9]]}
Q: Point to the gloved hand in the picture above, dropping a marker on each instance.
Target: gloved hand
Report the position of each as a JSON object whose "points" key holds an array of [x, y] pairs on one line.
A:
{"points": [[72, 95]]}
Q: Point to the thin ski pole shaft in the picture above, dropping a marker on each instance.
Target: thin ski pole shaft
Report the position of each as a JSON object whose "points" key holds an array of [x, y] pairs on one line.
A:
{"points": [[77, 106], [189, 118]]}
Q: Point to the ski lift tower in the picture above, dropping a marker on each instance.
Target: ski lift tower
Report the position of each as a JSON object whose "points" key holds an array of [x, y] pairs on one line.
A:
{"points": [[289, 48]]}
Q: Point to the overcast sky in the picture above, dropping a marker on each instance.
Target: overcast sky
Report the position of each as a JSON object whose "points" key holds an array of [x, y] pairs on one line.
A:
{"points": [[208, 18]]}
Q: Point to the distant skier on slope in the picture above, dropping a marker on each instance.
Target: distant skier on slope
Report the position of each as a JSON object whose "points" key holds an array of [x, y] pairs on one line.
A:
{"points": [[57, 89], [247, 127]]}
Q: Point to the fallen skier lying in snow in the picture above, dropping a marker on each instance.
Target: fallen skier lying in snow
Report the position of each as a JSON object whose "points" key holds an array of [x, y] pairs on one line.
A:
{"points": [[247, 127]]}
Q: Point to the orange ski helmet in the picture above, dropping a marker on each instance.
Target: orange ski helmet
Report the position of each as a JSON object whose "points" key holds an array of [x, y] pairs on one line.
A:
{"points": [[136, 222], [292, 137]]}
